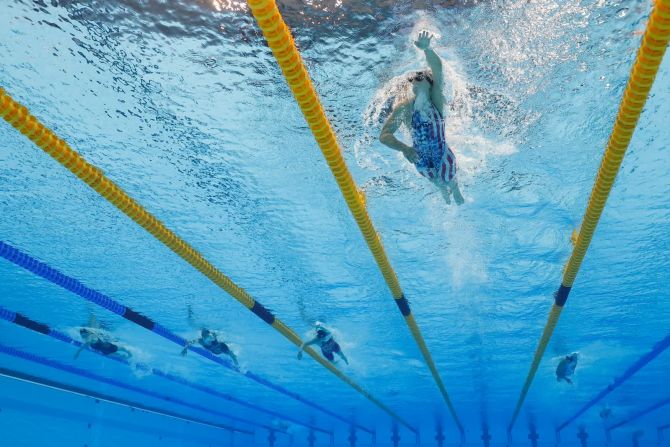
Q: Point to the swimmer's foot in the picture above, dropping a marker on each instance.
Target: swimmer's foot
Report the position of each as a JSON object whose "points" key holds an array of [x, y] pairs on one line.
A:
{"points": [[447, 196], [458, 197]]}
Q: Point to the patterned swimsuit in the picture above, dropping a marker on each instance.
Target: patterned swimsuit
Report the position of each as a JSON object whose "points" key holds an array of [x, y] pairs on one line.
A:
{"points": [[436, 160]]}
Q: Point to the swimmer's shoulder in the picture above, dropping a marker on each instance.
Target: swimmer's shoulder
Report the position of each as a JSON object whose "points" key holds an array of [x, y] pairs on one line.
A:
{"points": [[404, 109], [405, 105]]}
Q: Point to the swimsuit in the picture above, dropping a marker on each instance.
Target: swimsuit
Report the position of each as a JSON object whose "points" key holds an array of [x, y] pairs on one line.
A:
{"points": [[566, 368], [216, 347], [436, 160], [329, 346], [104, 347]]}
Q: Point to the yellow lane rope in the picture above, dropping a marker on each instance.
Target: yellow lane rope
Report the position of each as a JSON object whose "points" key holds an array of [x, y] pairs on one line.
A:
{"points": [[20, 118], [643, 73], [288, 57]]}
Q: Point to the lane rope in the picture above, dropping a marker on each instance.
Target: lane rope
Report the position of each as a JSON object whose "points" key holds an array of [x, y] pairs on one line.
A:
{"points": [[34, 358], [640, 363], [41, 328], [648, 59], [639, 414], [280, 41], [20, 118], [93, 296]]}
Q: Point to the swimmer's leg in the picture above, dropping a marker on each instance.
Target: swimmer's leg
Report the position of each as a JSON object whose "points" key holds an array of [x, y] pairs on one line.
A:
{"points": [[458, 197], [337, 350], [444, 190], [123, 353], [341, 354], [328, 355], [233, 357]]}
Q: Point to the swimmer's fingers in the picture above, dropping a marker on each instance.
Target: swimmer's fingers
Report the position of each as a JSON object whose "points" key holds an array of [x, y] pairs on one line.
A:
{"points": [[423, 40], [425, 35]]}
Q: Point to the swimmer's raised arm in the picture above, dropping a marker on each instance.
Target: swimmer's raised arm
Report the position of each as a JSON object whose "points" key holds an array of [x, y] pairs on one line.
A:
{"points": [[435, 63], [391, 125]]}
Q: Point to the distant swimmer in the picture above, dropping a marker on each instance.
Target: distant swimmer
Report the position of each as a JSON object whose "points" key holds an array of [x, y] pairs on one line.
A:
{"points": [[283, 426], [566, 367], [210, 340], [324, 338], [94, 337], [424, 116], [605, 413]]}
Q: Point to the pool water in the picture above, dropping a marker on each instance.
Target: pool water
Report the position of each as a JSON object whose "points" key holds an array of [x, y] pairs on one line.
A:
{"points": [[183, 106]]}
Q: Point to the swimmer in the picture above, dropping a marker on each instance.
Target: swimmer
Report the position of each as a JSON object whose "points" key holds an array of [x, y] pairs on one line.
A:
{"points": [[605, 413], [566, 367], [95, 338], [324, 338], [283, 426], [209, 340], [424, 116]]}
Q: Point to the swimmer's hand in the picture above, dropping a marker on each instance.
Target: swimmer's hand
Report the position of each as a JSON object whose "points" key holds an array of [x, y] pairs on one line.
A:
{"points": [[423, 41], [410, 154], [184, 351]]}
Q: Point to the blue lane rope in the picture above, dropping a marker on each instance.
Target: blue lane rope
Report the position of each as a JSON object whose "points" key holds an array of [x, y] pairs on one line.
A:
{"points": [[630, 372], [50, 274], [22, 320], [73, 389], [34, 358], [640, 413]]}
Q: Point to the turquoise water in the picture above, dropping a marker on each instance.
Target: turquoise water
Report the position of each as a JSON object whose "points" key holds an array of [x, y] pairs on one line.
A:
{"points": [[183, 106]]}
